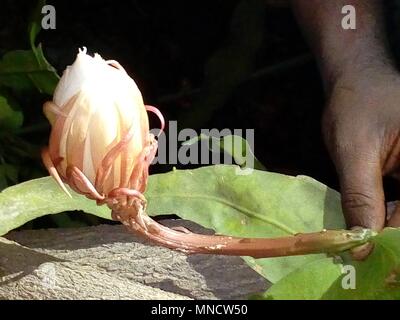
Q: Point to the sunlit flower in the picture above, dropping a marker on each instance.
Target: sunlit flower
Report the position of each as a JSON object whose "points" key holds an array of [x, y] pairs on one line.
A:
{"points": [[100, 138], [100, 145]]}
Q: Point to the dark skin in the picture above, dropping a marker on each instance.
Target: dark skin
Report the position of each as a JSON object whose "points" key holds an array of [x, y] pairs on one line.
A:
{"points": [[361, 122]]}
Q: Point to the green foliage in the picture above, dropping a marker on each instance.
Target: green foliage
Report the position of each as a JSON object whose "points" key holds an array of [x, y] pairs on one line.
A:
{"points": [[376, 278], [25, 75], [262, 204], [24, 70], [35, 198], [35, 23]]}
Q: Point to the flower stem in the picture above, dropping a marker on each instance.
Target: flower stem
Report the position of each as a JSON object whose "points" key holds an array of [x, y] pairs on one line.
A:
{"points": [[326, 241]]}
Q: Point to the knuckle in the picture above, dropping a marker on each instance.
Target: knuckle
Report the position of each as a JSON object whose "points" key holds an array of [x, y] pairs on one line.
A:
{"points": [[357, 200]]}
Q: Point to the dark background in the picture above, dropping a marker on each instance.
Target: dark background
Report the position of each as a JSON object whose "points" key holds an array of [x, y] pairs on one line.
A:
{"points": [[208, 64]]}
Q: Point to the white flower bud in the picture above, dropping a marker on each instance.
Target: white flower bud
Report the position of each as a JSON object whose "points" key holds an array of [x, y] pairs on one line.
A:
{"points": [[100, 128]]}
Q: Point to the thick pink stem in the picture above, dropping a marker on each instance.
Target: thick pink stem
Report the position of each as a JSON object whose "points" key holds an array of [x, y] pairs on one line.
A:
{"points": [[307, 243]]}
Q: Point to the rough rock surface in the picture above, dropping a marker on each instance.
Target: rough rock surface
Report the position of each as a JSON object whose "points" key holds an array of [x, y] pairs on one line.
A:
{"points": [[108, 262]]}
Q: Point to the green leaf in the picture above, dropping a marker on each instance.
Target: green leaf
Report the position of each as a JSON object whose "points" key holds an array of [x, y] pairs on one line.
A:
{"points": [[35, 198], [235, 146], [262, 204], [308, 282], [11, 118], [24, 70], [378, 277]]}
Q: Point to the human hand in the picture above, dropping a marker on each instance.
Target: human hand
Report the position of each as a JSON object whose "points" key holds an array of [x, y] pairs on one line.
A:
{"points": [[361, 127]]}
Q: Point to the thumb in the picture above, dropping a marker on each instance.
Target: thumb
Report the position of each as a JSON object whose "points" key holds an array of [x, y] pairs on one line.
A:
{"points": [[363, 199]]}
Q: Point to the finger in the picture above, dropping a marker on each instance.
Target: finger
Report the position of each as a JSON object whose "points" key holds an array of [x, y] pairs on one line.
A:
{"points": [[362, 252], [363, 199], [361, 185]]}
